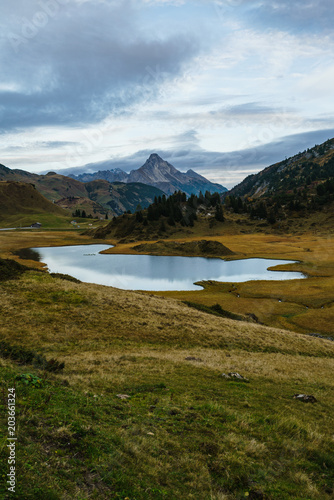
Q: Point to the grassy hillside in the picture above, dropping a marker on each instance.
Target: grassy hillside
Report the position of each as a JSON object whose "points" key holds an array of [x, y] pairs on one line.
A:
{"points": [[54, 186], [22, 204], [82, 204], [141, 409]]}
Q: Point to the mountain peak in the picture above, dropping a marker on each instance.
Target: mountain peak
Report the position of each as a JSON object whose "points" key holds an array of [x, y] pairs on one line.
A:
{"points": [[155, 157], [159, 173]]}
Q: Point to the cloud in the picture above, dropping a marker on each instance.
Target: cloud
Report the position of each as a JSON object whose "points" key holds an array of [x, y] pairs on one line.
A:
{"points": [[55, 144], [191, 79], [301, 15], [88, 61], [41, 145]]}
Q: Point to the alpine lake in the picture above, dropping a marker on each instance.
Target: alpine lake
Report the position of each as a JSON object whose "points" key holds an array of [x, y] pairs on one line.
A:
{"points": [[154, 273]]}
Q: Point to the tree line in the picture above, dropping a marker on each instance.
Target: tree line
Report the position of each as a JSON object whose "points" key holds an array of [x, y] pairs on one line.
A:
{"points": [[176, 208]]}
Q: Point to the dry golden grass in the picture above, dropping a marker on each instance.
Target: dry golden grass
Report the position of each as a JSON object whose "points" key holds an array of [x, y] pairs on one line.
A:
{"points": [[111, 365], [40, 307]]}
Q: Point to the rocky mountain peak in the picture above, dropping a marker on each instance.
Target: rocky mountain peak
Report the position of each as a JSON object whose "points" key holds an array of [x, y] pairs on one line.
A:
{"points": [[155, 157], [156, 162], [158, 173]]}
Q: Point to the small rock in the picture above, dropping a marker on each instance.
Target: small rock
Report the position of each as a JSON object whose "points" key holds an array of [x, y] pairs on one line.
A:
{"points": [[306, 398], [123, 396], [150, 434], [234, 376]]}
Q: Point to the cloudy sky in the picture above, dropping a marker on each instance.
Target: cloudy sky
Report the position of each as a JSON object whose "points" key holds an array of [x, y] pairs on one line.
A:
{"points": [[225, 87]]}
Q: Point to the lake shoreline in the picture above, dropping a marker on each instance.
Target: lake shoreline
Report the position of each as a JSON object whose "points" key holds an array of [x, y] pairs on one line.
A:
{"points": [[90, 263]]}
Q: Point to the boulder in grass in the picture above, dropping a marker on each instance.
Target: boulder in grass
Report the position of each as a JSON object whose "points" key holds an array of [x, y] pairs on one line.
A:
{"points": [[235, 376], [305, 398], [123, 396]]}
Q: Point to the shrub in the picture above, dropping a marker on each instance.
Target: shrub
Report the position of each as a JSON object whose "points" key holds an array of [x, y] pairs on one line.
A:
{"points": [[28, 357]]}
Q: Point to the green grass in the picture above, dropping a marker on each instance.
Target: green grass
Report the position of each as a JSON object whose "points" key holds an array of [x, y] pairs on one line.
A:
{"points": [[184, 431], [47, 220], [203, 439]]}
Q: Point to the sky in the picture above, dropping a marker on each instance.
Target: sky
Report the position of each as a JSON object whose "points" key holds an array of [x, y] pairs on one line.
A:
{"points": [[224, 87]]}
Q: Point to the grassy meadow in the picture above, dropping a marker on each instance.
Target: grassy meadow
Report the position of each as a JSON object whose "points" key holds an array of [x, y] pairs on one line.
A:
{"points": [[180, 429]]}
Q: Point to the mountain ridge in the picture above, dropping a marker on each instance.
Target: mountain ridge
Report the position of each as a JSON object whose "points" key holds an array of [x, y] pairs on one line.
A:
{"points": [[295, 193], [302, 170], [99, 196], [160, 174]]}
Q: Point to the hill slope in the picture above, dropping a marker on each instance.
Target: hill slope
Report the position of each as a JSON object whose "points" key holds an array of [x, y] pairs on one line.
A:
{"points": [[21, 203], [304, 170], [294, 194]]}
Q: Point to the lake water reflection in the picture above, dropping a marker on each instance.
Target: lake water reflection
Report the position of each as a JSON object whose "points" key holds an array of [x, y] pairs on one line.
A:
{"points": [[148, 272]]}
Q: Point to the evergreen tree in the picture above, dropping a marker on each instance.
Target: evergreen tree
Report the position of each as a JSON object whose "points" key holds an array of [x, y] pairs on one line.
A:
{"points": [[219, 215], [201, 198], [177, 213], [171, 220], [150, 213], [139, 216], [271, 217], [162, 227]]}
